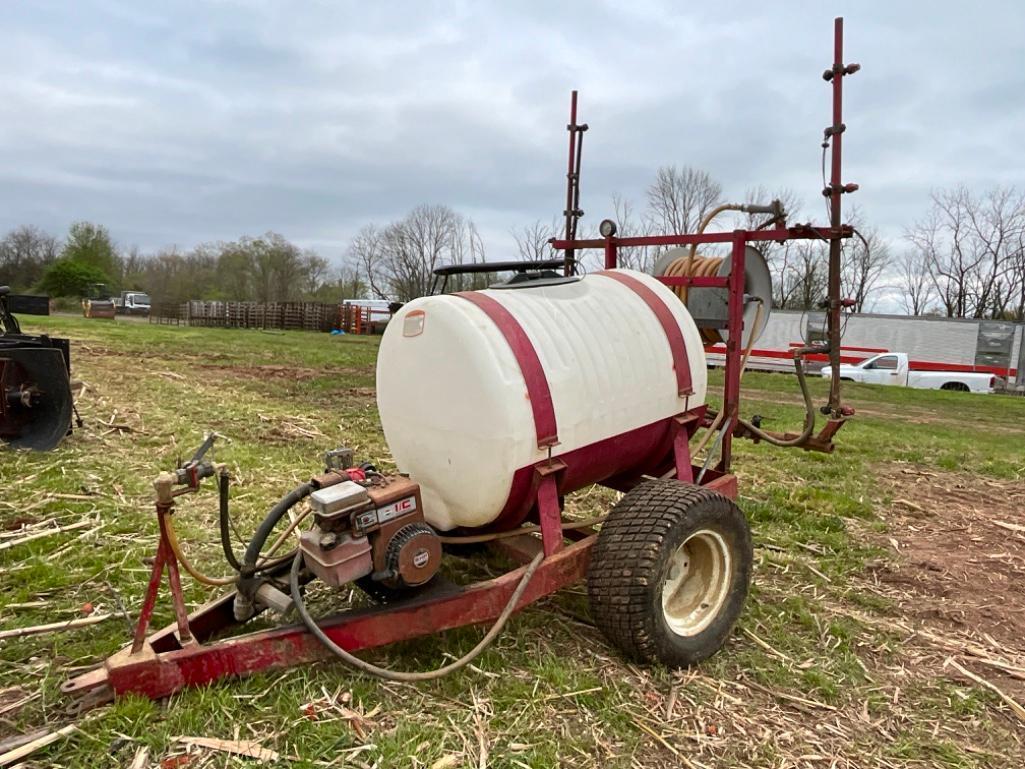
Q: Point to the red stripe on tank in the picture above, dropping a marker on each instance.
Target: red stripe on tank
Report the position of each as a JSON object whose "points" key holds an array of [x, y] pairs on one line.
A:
{"points": [[643, 450], [522, 348], [670, 327]]}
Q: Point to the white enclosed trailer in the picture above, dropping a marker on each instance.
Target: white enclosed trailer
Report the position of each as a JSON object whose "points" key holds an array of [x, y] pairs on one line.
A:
{"points": [[932, 343]]}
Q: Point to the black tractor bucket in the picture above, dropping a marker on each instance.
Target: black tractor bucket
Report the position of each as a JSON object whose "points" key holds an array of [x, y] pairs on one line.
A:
{"points": [[35, 396]]}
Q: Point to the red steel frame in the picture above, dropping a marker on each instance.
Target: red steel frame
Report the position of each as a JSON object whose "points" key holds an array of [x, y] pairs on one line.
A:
{"points": [[734, 281], [184, 654]]}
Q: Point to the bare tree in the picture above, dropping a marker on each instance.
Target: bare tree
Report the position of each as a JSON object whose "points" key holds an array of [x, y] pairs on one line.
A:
{"points": [[805, 282], [350, 283], [25, 253], [414, 246], [628, 224], [679, 198], [1016, 289], [914, 283], [467, 247], [367, 252], [997, 222], [132, 263], [864, 258], [314, 270], [782, 258], [785, 267], [943, 264], [341, 282], [971, 248], [532, 241], [399, 260]]}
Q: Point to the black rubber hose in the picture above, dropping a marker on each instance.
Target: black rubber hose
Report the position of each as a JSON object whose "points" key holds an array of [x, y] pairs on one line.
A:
{"points": [[229, 550], [277, 512], [809, 414]]}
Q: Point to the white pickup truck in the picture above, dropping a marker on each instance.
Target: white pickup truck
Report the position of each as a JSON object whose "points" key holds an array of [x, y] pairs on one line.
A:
{"points": [[891, 368]]}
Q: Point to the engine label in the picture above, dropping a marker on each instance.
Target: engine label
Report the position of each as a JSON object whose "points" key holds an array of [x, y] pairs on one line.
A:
{"points": [[395, 509], [382, 515]]}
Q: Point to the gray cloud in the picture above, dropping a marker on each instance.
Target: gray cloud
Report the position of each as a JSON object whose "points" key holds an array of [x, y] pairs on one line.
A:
{"points": [[191, 121]]}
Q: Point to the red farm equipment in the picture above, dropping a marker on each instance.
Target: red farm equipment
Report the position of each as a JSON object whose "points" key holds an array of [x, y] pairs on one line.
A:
{"points": [[497, 404]]}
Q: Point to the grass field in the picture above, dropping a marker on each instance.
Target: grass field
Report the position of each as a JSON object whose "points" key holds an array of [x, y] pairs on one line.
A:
{"points": [[883, 573]]}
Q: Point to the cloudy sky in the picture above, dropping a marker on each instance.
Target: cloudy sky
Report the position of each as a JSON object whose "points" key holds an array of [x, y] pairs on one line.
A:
{"points": [[182, 122]]}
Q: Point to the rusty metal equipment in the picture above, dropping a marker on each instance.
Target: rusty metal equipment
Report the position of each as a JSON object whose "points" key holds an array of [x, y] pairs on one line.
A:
{"points": [[35, 386], [98, 303], [667, 571]]}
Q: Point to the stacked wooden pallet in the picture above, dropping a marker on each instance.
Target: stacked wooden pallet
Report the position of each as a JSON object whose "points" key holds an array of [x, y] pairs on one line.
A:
{"points": [[165, 313], [290, 316]]}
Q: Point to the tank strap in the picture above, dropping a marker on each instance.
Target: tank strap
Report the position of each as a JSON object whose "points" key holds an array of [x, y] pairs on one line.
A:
{"points": [[530, 365], [670, 327]]}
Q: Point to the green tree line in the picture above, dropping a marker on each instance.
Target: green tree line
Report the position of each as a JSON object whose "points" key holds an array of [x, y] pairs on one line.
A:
{"points": [[267, 268], [965, 258]]}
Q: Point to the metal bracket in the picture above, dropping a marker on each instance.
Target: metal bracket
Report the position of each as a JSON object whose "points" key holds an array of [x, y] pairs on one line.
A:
{"points": [[838, 69], [681, 445], [548, 475], [828, 190], [339, 459]]}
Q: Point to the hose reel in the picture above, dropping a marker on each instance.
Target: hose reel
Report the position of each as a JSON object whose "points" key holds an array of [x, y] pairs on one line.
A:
{"points": [[710, 306]]}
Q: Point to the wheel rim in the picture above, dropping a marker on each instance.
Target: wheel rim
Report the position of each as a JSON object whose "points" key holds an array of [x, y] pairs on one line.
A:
{"points": [[697, 582]]}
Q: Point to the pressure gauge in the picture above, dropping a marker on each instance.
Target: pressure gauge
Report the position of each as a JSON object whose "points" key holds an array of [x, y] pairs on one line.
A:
{"points": [[607, 228]]}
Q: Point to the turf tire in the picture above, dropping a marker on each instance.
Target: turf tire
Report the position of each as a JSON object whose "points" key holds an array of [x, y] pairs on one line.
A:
{"points": [[631, 562]]}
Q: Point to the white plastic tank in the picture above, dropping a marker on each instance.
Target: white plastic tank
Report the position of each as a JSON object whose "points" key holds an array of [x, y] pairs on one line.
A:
{"points": [[454, 406]]}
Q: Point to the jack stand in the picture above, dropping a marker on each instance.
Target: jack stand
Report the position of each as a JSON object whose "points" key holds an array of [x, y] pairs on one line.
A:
{"points": [[164, 484]]}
